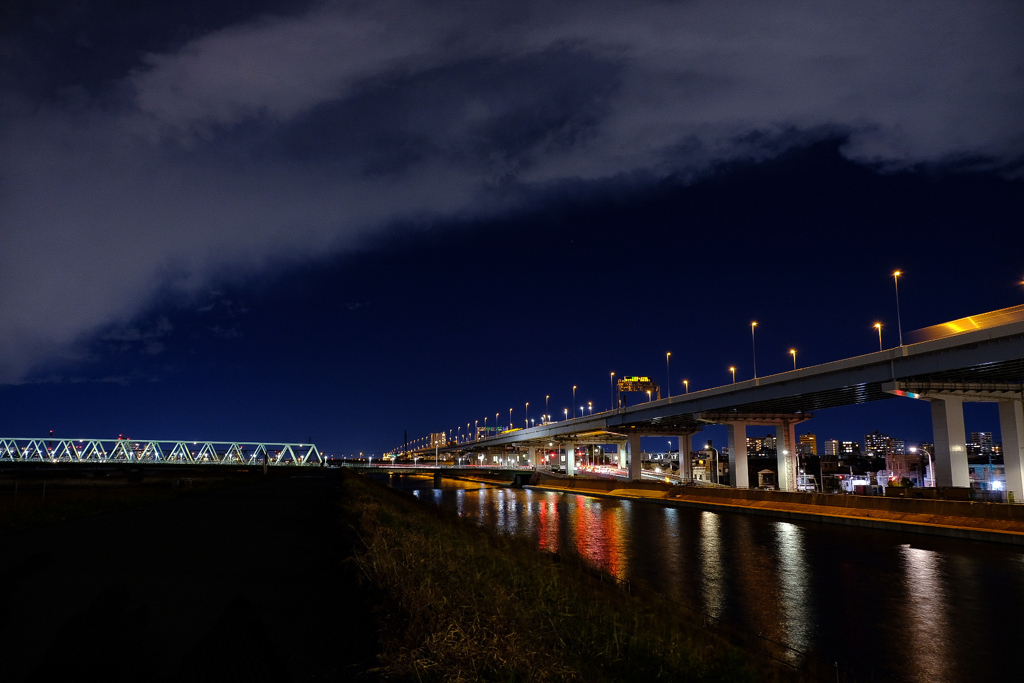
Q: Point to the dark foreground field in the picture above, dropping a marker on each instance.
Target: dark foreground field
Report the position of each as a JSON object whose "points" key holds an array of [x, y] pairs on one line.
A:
{"points": [[241, 581], [313, 575]]}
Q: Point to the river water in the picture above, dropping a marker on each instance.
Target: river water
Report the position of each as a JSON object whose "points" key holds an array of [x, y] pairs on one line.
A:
{"points": [[883, 605]]}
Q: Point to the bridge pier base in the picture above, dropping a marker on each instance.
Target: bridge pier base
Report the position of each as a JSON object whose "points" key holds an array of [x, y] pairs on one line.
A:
{"points": [[437, 480], [635, 458], [685, 461], [533, 457], [950, 441], [570, 459], [1011, 431], [785, 453], [737, 437]]}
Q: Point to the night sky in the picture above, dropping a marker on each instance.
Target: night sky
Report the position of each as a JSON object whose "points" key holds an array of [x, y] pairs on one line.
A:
{"points": [[276, 221]]}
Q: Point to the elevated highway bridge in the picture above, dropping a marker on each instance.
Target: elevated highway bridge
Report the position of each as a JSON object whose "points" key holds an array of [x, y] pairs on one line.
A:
{"points": [[974, 359]]}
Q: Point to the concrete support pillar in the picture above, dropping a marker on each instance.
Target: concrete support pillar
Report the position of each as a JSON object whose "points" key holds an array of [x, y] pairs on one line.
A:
{"points": [[685, 462], [737, 435], [785, 445], [950, 442], [1011, 431], [533, 457], [622, 455], [635, 462], [570, 459]]}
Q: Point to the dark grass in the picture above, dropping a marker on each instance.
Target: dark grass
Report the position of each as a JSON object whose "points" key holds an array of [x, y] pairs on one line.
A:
{"points": [[463, 604], [30, 503]]}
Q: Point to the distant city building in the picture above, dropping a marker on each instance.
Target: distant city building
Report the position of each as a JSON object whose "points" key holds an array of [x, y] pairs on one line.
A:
{"points": [[807, 444], [761, 446], [981, 444], [832, 448], [877, 445], [848, 449], [899, 446]]}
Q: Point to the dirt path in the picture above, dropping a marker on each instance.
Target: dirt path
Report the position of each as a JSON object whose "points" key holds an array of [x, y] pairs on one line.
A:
{"points": [[244, 583]]}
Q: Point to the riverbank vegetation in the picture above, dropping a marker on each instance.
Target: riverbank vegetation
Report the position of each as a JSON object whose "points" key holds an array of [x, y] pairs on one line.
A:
{"points": [[460, 603]]}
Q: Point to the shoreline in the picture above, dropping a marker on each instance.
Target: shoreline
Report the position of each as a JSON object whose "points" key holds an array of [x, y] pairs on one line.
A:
{"points": [[989, 522]]}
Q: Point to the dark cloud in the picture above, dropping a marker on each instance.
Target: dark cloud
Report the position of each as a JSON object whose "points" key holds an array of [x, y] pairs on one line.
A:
{"points": [[244, 141]]}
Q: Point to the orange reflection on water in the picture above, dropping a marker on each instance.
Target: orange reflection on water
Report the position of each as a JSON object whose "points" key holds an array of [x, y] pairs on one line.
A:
{"points": [[547, 523], [598, 533]]}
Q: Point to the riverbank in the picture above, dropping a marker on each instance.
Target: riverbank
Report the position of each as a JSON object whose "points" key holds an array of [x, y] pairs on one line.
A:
{"points": [[464, 603], [992, 522]]}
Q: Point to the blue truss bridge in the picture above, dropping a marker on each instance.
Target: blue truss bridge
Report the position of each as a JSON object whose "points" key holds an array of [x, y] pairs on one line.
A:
{"points": [[158, 452]]}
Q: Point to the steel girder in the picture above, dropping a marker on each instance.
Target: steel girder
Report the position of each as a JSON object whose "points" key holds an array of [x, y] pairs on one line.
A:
{"points": [[168, 452]]}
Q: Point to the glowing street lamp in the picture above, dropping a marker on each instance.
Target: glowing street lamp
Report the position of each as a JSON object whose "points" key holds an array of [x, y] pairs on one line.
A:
{"points": [[733, 371], [792, 352], [582, 408], [590, 405], [899, 323], [878, 326], [527, 413], [648, 396], [611, 389], [566, 411], [546, 398], [686, 385], [668, 373], [574, 394]]}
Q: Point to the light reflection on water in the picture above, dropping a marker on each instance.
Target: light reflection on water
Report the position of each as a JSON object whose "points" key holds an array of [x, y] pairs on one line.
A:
{"points": [[712, 576], [931, 610], [928, 628]]}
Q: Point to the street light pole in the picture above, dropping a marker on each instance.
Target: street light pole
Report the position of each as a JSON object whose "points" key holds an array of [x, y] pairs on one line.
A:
{"points": [[878, 326], [668, 373], [753, 346], [792, 352], [611, 391], [899, 323], [733, 371], [527, 413], [686, 385]]}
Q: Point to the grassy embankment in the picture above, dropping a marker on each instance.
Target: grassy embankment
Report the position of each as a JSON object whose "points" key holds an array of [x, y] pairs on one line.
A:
{"points": [[463, 604]]}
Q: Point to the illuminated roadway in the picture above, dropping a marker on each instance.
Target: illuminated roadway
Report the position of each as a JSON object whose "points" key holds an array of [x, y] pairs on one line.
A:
{"points": [[979, 365]]}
